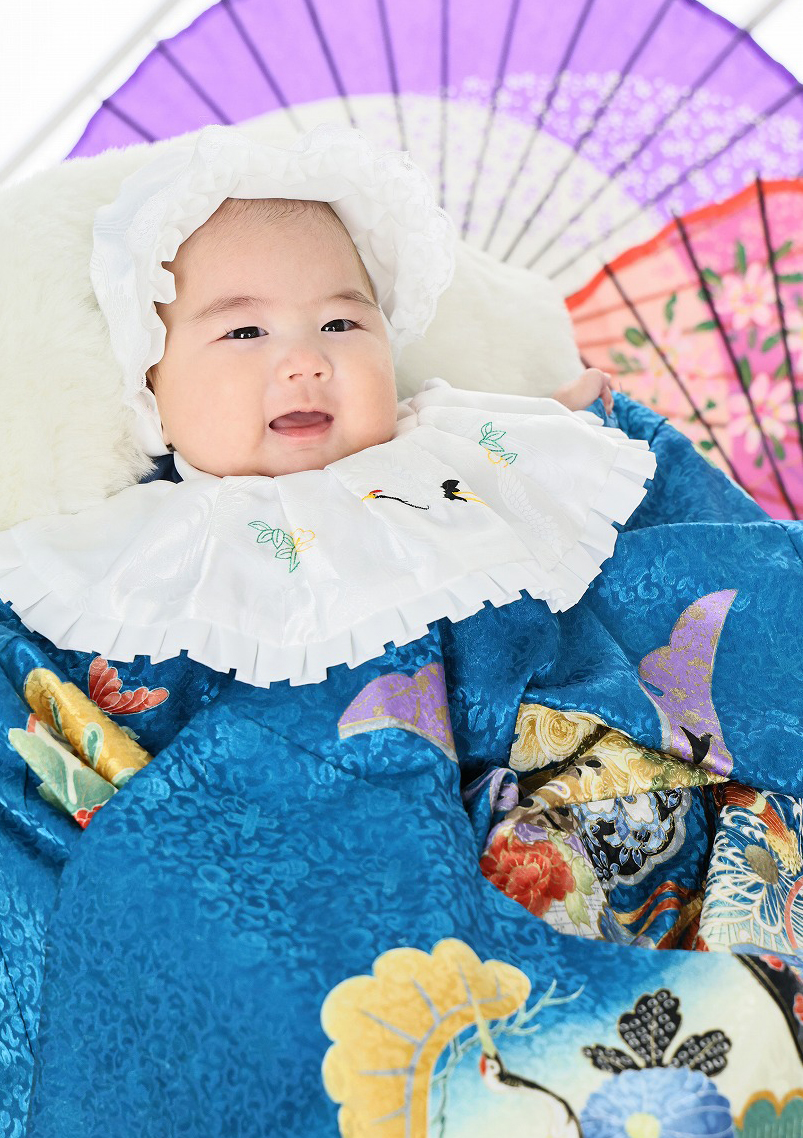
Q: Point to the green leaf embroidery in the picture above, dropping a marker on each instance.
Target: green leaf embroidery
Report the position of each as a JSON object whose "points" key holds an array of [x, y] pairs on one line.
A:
{"points": [[284, 548], [781, 371], [490, 439], [92, 743], [790, 278], [705, 444], [771, 341], [705, 326], [711, 277], [669, 308], [783, 250], [635, 337], [751, 338], [779, 450], [741, 258]]}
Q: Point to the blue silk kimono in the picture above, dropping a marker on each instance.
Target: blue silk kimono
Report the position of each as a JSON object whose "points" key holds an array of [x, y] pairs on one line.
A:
{"points": [[453, 891]]}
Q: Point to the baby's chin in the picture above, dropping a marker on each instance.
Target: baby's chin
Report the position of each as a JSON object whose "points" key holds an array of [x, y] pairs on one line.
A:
{"points": [[276, 461]]}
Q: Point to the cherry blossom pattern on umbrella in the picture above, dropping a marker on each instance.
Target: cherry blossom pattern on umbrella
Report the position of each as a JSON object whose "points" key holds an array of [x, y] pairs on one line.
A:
{"points": [[704, 323]]}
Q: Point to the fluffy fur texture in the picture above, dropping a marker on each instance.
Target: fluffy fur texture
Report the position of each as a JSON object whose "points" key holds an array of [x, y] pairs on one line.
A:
{"points": [[66, 440]]}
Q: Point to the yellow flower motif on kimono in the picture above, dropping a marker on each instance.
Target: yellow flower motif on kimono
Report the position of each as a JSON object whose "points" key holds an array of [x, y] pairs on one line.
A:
{"points": [[546, 736], [390, 1029]]}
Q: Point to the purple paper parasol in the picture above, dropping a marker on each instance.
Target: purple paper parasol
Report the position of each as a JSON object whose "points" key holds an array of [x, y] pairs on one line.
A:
{"points": [[559, 134]]}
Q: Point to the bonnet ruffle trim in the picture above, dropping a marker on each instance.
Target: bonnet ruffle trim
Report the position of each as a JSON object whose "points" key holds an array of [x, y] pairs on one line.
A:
{"points": [[386, 202]]}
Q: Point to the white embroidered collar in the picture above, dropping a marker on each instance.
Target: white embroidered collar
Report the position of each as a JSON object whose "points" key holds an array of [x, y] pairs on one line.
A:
{"points": [[475, 499]]}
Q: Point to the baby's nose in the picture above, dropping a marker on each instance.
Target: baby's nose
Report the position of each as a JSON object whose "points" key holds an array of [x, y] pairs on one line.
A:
{"points": [[304, 361]]}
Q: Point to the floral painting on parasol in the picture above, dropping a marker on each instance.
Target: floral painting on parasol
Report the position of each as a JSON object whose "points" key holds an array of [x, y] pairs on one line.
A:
{"points": [[705, 323]]}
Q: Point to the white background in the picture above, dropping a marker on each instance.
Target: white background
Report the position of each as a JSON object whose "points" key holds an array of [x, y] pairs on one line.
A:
{"points": [[50, 50]]}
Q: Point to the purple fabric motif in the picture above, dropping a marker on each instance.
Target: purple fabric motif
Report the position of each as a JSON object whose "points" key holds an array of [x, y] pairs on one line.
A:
{"points": [[678, 677], [414, 703], [671, 88]]}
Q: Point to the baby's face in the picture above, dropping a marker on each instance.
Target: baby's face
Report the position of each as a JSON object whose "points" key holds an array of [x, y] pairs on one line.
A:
{"points": [[276, 358]]}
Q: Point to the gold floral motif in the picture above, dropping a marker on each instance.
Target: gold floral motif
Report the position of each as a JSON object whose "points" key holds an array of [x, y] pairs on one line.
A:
{"points": [[65, 709], [546, 736], [389, 1030], [622, 767]]}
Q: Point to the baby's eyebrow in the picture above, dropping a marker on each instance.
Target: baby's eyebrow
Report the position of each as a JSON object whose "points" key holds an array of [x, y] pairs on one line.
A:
{"points": [[225, 304], [352, 294]]}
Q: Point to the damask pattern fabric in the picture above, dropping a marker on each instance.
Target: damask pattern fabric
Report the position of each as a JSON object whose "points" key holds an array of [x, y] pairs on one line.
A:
{"points": [[341, 907]]}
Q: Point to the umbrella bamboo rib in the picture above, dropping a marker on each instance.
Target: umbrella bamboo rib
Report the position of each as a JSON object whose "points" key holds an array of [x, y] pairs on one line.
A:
{"points": [[539, 122], [394, 78], [672, 371], [444, 95], [760, 119], [258, 59], [728, 346], [193, 84], [500, 72], [790, 371], [325, 48], [710, 69], [597, 117], [132, 124]]}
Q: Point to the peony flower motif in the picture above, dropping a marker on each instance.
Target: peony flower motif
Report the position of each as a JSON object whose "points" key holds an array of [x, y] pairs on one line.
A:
{"points": [[749, 299], [532, 873], [658, 1101], [83, 817], [105, 689], [773, 409]]}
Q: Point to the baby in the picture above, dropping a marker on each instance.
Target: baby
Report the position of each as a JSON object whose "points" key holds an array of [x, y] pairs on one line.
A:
{"points": [[316, 519], [277, 357]]}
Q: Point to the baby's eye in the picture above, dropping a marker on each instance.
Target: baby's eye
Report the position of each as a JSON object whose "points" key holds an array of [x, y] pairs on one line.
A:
{"points": [[251, 332], [330, 326]]}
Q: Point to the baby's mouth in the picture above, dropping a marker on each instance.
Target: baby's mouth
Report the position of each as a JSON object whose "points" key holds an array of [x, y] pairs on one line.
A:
{"points": [[302, 424]]}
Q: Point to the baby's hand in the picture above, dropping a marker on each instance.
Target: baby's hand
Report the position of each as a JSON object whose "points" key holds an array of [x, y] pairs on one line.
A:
{"points": [[592, 384]]}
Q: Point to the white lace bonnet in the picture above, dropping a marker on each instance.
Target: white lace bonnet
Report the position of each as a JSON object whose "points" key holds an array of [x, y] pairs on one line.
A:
{"points": [[387, 204]]}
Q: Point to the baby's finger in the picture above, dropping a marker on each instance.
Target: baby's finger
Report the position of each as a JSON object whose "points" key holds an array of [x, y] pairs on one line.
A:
{"points": [[607, 395]]}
